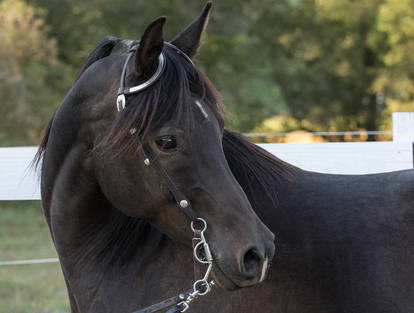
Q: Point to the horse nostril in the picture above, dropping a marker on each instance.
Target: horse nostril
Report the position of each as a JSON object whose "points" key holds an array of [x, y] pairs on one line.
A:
{"points": [[252, 263]]}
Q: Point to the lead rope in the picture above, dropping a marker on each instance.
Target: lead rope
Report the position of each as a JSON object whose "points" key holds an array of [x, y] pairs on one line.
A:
{"points": [[201, 287]]}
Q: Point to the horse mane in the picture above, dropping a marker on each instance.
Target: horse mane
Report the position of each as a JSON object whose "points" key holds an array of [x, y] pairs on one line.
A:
{"points": [[120, 240], [256, 170], [103, 49]]}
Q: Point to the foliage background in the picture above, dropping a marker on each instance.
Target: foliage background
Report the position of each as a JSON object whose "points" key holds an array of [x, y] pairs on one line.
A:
{"points": [[281, 65]]}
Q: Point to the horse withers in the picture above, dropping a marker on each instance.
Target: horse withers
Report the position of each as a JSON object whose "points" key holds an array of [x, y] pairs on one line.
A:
{"points": [[131, 156]]}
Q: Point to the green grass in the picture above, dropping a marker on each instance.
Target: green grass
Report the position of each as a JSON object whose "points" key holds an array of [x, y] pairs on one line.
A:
{"points": [[35, 288]]}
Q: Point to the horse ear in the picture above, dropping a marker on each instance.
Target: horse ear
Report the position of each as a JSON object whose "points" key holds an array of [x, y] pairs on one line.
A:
{"points": [[150, 48], [188, 40]]}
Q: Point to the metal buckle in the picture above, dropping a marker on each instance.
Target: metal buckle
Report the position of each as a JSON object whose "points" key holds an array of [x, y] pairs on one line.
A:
{"points": [[185, 305], [201, 287]]}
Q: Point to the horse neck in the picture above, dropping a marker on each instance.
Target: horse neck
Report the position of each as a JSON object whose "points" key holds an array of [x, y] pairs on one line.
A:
{"points": [[85, 227], [102, 251], [283, 208], [268, 206], [113, 256], [103, 236]]}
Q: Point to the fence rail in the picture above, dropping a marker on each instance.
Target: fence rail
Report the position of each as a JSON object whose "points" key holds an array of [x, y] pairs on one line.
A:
{"points": [[341, 133], [27, 262], [18, 181]]}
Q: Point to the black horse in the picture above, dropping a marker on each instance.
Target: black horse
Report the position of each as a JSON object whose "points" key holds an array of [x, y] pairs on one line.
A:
{"points": [[345, 243], [122, 175]]}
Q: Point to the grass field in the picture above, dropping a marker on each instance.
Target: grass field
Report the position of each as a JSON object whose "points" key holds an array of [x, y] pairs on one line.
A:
{"points": [[36, 288]]}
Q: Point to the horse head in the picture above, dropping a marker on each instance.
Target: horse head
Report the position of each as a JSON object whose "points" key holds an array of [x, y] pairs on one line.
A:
{"points": [[152, 126]]}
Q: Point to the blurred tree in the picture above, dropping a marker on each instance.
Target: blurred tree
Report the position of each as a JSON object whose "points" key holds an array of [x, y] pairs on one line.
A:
{"points": [[29, 73], [226, 57], [326, 57], [325, 64], [236, 59], [395, 79]]}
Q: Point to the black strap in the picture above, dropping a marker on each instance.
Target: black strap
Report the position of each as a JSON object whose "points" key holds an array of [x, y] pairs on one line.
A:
{"points": [[122, 89], [177, 194], [174, 309], [180, 52], [179, 197], [166, 304]]}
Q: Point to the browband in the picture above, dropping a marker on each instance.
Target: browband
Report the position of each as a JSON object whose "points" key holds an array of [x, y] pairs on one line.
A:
{"points": [[122, 91]]}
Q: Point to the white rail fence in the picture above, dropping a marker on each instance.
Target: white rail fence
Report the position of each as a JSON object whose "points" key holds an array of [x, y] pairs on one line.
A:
{"points": [[18, 181]]}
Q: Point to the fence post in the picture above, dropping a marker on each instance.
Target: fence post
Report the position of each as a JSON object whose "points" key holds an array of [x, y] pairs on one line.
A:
{"points": [[403, 128]]}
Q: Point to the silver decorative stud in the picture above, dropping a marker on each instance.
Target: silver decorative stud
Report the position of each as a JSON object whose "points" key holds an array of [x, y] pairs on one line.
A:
{"points": [[183, 203], [133, 131], [120, 102], [147, 162], [181, 296]]}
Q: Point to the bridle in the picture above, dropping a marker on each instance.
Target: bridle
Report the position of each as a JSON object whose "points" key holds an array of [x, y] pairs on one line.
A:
{"points": [[201, 249], [123, 90]]}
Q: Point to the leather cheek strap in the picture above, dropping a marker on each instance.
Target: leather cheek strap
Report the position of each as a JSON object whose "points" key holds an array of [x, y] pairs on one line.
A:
{"points": [[181, 200]]}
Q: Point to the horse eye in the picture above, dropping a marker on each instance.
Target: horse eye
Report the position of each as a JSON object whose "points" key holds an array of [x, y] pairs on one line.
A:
{"points": [[166, 143]]}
